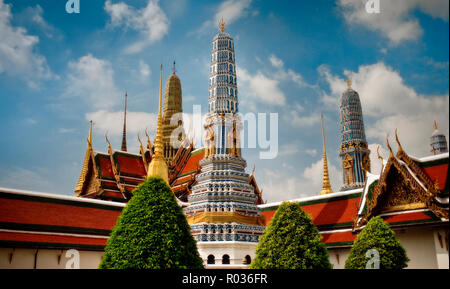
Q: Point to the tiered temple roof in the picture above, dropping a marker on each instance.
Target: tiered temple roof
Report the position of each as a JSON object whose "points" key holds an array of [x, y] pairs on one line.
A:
{"points": [[408, 192], [112, 176]]}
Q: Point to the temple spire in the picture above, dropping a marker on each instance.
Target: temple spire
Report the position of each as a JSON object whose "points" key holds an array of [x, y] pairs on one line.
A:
{"points": [[124, 135], [158, 166], [326, 187], [173, 69], [438, 141]]}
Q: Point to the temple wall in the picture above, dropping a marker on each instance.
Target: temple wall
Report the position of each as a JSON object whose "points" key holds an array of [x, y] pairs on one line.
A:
{"points": [[419, 246], [338, 257], [22, 258], [236, 250]]}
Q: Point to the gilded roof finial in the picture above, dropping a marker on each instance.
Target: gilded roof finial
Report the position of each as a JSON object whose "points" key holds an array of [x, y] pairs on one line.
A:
{"points": [[435, 125], [391, 154], [158, 166], [326, 187], [400, 149], [222, 25], [89, 139]]}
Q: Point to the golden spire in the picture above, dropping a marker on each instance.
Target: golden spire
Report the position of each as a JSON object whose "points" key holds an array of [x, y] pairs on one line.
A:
{"points": [[222, 25], [435, 125], [85, 167], [158, 166], [326, 187]]}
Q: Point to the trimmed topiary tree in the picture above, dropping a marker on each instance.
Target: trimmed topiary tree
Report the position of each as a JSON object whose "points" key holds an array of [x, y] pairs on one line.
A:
{"points": [[377, 235], [291, 241], [151, 233]]}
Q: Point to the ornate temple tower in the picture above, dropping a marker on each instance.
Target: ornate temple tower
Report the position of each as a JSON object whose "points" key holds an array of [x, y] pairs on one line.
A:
{"points": [[438, 141], [172, 106], [354, 151], [158, 166], [223, 212]]}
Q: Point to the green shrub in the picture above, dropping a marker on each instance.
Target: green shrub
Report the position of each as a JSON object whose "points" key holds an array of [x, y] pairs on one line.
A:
{"points": [[291, 241], [377, 235], [151, 233]]}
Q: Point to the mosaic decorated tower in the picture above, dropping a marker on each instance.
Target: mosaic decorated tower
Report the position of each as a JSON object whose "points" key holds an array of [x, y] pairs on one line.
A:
{"points": [[438, 141], [223, 212], [354, 151], [172, 119]]}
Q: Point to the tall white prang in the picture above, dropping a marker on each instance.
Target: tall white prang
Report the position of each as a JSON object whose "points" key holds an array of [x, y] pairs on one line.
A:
{"points": [[222, 211]]}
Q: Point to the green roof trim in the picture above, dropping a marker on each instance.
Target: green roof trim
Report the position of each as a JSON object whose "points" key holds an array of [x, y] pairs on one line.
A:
{"points": [[197, 152], [51, 228], [339, 244], [433, 163], [319, 201], [334, 226]]}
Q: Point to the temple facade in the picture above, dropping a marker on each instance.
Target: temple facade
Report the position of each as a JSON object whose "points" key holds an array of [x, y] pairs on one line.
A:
{"points": [[353, 151], [222, 202]]}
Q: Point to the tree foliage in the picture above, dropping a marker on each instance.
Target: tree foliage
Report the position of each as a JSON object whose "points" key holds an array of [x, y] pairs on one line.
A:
{"points": [[377, 236], [151, 233], [291, 241]]}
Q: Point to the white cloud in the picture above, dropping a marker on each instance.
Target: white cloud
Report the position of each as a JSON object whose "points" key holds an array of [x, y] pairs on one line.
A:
{"points": [[311, 152], [17, 51], [144, 69], [282, 74], [230, 11], [296, 119], [35, 14], [391, 104], [288, 149], [262, 88], [36, 179], [396, 19], [92, 78], [112, 122], [276, 62], [150, 21], [282, 185]]}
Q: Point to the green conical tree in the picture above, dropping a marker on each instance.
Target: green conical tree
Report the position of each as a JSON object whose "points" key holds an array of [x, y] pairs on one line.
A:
{"points": [[291, 241], [377, 247], [151, 233]]}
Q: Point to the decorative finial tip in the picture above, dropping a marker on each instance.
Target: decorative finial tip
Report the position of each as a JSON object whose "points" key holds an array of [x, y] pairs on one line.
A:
{"points": [[222, 25], [349, 82], [435, 125]]}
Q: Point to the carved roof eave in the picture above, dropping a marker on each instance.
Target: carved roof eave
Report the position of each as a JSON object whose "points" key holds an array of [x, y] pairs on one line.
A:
{"points": [[427, 195], [116, 173], [252, 182]]}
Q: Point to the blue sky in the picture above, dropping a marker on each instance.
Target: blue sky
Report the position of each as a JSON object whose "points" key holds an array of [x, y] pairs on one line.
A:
{"points": [[59, 70]]}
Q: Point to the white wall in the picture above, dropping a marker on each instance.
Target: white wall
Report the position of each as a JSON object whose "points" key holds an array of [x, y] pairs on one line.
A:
{"points": [[18, 258], [236, 250]]}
